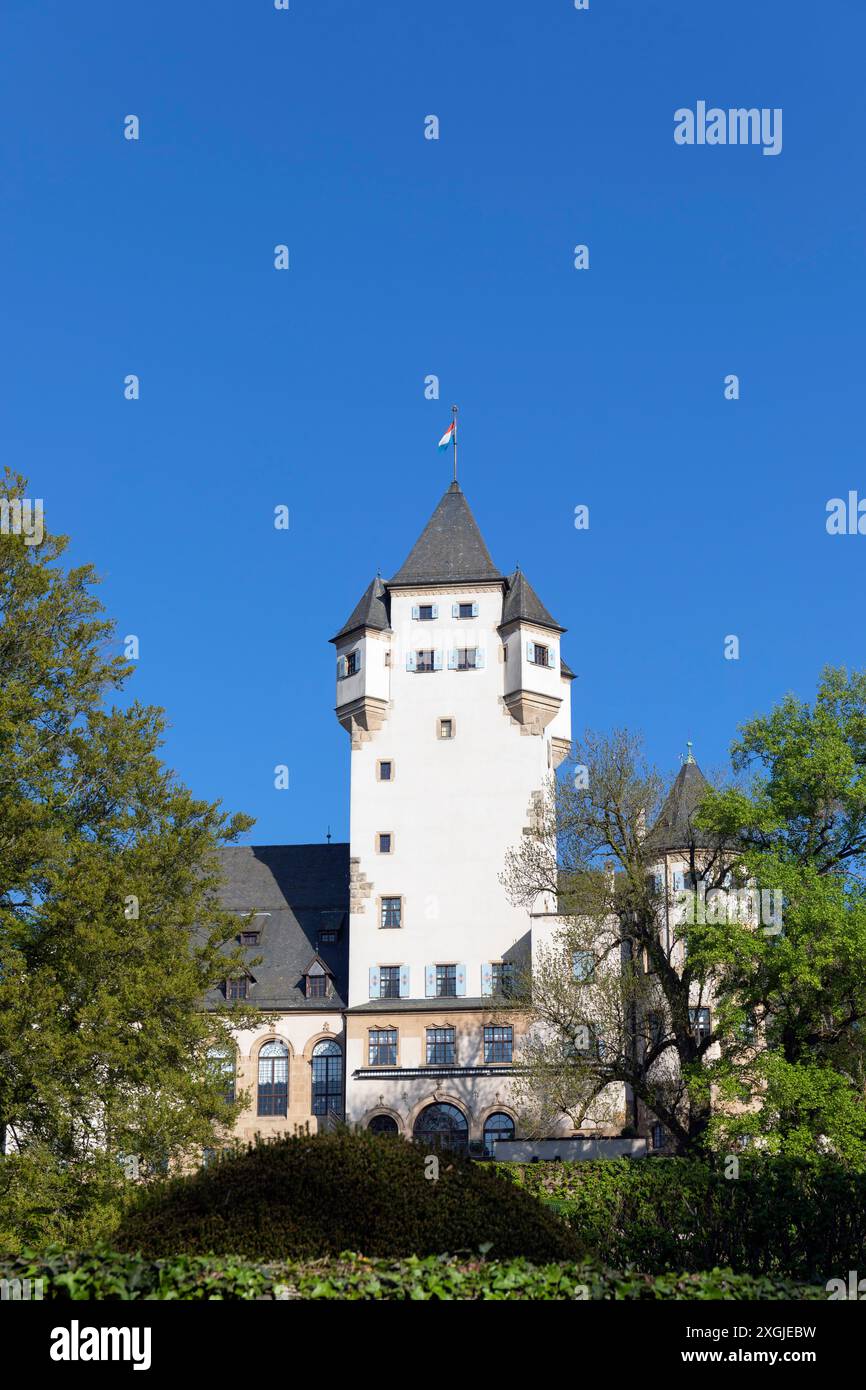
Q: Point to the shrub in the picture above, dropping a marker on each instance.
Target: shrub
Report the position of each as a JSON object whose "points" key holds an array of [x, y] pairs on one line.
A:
{"points": [[308, 1196], [105, 1274], [803, 1219]]}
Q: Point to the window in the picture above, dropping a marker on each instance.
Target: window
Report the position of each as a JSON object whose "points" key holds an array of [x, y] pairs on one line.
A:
{"points": [[317, 986], [658, 1136], [383, 1047], [237, 988], [327, 936], [221, 1064], [208, 1156], [383, 1124], [700, 1021], [465, 610], [498, 1044], [273, 1090], [249, 938], [327, 1067], [391, 912], [502, 978], [348, 665], [425, 661], [425, 612], [440, 1047], [389, 982], [581, 964], [466, 658], [446, 981], [539, 655], [446, 728], [385, 770], [384, 842], [497, 1126]]}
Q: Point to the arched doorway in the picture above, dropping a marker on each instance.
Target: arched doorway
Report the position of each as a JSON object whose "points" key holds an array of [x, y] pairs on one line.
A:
{"points": [[442, 1126], [383, 1124], [327, 1079]]}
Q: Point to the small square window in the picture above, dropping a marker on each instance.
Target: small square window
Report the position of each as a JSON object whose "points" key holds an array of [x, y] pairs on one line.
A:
{"points": [[539, 655], [384, 842], [446, 728], [249, 938], [328, 936], [425, 612], [391, 912], [385, 770], [425, 661], [465, 610]]}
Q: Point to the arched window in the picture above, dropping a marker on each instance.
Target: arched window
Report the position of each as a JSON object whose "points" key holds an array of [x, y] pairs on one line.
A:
{"points": [[222, 1064], [383, 1124], [497, 1126], [442, 1126], [274, 1078], [327, 1079]]}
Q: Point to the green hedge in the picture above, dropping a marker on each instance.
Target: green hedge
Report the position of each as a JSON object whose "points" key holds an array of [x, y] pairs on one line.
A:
{"points": [[317, 1195], [105, 1274], [804, 1220]]}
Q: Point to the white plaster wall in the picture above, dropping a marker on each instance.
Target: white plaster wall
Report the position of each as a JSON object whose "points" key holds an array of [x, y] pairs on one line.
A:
{"points": [[454, 807]]}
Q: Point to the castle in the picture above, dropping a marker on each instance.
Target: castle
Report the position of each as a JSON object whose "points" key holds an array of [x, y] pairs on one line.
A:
{"points": [[383, 961]]}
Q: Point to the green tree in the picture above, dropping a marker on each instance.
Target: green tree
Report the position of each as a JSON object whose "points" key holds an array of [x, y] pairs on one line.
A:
{"points": [[110, 927]]}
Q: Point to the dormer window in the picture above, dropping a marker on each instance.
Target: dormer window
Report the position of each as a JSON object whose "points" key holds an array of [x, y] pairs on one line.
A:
{"points": [[237, 988], [249, 938], [317, 981], [328, 936]]}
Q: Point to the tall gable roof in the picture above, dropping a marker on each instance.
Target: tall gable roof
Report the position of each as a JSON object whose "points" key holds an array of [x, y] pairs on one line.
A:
{"points": [[523, 603], [301, 891], [450, 548], [371, 610], [673, 827]]}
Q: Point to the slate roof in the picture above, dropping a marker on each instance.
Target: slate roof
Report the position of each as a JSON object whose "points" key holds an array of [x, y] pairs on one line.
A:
{"points": [[450, 548], [371, 610], [437, 1005], [299, 889], [522, 602], [673, 826]]}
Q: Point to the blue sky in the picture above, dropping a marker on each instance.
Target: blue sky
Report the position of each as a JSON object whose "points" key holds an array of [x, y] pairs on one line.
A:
{"points": [[411, 257]]}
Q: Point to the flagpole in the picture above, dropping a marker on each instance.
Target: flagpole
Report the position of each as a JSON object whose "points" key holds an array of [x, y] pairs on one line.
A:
{"points": [[454, 417]]}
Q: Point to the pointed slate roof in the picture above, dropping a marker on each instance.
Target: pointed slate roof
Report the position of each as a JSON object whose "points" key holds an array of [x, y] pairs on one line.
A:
{"points": [[673, 827], [449, 549], [522, 602], [371, 610]]}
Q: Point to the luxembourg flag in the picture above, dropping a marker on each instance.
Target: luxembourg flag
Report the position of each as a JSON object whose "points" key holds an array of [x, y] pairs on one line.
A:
{"points": [[448, 436]]}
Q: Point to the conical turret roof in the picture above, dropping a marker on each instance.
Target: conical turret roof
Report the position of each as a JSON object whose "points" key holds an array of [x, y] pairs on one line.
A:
{"points": [[450, 549], [673, 828]]}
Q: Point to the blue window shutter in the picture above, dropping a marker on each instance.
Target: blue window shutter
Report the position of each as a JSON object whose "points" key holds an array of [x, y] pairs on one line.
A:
{"points": [[416, 611], [455, 610], [404, 982], [341, 668], [374, 982], [475, 610], [530, 651], [551, 656], [437, 661], [479, 658], [461, 980], [357, 658], [410, 661], [487, 978], [452, 661], [435, 610], [430, 981]]}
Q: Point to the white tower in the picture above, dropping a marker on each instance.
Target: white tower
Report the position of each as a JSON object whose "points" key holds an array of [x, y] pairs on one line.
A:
{"points": [[451, 685]]}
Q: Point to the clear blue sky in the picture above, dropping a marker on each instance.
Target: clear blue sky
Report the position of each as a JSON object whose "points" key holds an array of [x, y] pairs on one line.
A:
{"points": [[411, 257]]}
